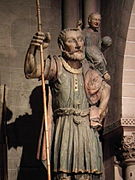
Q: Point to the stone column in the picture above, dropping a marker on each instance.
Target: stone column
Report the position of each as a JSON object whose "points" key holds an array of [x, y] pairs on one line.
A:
{"points": [[70, 13], [130, 171], [89, 7], [128, 153], [121, 135]]}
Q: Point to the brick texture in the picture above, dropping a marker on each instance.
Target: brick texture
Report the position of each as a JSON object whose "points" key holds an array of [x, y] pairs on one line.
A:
{"points": [[128, 100], [116, 16], [18, 25], [115, 23]]}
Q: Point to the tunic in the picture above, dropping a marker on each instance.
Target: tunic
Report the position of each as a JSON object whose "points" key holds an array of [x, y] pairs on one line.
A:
{"points": [[76, 146]]}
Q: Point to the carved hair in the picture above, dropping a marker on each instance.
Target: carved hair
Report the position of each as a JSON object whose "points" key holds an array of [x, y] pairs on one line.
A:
{"points": [[62, 36], [92, 14]]}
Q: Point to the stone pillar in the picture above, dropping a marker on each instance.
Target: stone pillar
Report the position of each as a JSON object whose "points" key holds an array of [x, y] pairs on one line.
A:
{"points": [[70, 13], [89, 7], [121, 135], [128, 153], [130, 171], [117, 171]]}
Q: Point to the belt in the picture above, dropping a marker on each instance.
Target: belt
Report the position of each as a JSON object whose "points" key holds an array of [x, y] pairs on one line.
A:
{"points": [[71, 111]]}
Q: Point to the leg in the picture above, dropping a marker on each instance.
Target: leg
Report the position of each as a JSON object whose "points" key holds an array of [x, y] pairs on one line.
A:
{"points": [[96, 177], [87, 176], [62, 176], [83, 176]]}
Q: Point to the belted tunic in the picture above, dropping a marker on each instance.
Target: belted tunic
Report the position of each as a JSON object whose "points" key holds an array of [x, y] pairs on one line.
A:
{"points": [[76, 146]]}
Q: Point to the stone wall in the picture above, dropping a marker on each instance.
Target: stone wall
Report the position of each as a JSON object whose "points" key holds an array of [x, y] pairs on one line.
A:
{"points": [[18, 24], [115, 22], [128, 81]]}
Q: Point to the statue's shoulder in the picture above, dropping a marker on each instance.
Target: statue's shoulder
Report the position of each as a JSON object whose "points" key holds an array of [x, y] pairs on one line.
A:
{"points": [[86, 66], [53, 67], [53, 57], [58, 60]]}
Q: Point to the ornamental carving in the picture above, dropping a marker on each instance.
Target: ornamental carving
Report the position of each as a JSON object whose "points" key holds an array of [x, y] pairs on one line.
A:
{"points": [[128, 121], [128, 147], [123, 122]]}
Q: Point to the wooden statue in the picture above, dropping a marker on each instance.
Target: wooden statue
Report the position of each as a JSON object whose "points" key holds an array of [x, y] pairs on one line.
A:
{"points": [[76, 151], [94, 45]]}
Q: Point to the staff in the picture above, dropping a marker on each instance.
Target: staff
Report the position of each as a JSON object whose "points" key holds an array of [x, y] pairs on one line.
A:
{"points": [[43, 89]]}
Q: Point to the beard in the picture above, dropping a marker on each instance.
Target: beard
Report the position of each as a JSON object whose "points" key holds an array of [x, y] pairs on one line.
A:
{"points": [[75, 56]]}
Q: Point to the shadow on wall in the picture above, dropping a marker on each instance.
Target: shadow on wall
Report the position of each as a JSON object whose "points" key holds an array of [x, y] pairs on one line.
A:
{"points": [[25, 132], [5, 116]]}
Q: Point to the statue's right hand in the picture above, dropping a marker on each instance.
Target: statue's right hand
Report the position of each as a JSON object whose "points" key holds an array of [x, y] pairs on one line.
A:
{"points": [[37, 39], [41, 38]]}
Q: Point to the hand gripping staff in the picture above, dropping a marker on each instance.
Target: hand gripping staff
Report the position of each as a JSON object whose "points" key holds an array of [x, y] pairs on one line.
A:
{"points": [[43, 90]]}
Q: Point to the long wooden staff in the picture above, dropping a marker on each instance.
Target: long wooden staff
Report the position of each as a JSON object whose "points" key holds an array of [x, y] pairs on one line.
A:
{"points": [[43, 89]]}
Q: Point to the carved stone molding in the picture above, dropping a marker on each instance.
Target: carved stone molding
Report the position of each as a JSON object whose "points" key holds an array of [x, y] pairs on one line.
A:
{"points": [[125, 152], [128, 121], [128, 146], [123, 122]]}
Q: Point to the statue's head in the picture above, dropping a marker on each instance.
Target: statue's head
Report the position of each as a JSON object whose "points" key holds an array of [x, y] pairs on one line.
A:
{"points": [[71, 44], [94, 20]]}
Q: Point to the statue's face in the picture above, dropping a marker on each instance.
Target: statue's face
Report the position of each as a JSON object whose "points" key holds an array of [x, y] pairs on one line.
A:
{"points": [[95, 20], [74, 44]]}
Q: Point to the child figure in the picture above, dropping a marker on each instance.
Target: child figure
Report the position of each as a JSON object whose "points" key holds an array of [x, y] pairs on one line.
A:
{"points": [[94, 45], [98, 94]]}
